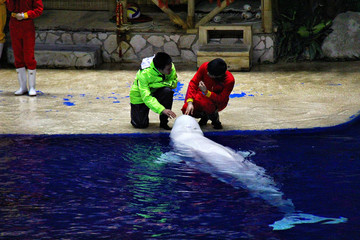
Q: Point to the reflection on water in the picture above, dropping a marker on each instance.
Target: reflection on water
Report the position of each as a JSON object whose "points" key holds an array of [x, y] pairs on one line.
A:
{"points": [[113, 187]]}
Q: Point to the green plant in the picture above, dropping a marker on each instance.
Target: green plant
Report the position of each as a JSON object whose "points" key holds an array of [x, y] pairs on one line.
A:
{"points": [[299, 33], [289, 46]]}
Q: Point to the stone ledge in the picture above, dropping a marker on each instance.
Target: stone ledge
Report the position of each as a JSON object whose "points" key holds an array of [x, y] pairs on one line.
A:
{"points": [[63, 56]]}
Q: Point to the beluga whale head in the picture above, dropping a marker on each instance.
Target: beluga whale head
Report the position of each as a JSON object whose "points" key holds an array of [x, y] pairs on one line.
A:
{"points": [[185, 124], [186, 136]]}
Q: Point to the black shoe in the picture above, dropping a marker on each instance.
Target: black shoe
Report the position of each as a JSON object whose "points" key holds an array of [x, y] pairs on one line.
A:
{"points": [[165, 126], [203, 121], [217, 125]]}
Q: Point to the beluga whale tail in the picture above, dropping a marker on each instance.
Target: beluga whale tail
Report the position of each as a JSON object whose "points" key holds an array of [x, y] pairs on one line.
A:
{"points": [[227, 165]]}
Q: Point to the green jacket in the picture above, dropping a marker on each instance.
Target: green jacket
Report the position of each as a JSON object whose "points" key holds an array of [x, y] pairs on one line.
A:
{"points": [[147, 81]]}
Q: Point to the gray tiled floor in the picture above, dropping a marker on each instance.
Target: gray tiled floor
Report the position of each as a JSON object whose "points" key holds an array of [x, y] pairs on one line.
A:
{"points": [[276, 96]]}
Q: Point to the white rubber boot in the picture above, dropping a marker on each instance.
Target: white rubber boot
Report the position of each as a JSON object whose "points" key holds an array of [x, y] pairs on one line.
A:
{"points": [[1, 48], [32, 82], [21, 73]]}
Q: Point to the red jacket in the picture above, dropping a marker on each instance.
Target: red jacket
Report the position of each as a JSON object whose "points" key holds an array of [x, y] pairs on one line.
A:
{"points": [[219, 91], [31, 8]]}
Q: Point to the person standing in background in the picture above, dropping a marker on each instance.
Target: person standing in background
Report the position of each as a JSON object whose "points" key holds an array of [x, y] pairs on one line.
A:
{"points": [[2, 25], [22, 33]]}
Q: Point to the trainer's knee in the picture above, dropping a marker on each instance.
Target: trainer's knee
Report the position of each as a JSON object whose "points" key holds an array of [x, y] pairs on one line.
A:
{"points": [[140, 125], [167, 91]]}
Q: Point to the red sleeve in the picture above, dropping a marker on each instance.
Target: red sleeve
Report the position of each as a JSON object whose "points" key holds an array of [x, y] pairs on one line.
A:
{"points": [[221, 99], [10, 5], [31, 8], [194, 83], [36, 10]]}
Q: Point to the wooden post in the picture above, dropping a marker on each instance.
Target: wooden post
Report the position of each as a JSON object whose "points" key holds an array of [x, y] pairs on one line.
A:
{"points": [[124, 8], [191, 13], [173, 16], [213, 13], [267, 18]]}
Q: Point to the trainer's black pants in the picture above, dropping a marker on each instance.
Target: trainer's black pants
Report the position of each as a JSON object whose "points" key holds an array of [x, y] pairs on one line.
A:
{"points": [[140, 112], [214, 117]]}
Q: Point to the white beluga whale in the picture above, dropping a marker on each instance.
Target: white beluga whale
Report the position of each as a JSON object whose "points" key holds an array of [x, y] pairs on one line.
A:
{"points": [[227, 165], [224, 163]]}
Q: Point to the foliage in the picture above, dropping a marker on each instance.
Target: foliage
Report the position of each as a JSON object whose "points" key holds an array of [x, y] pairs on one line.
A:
{"points": [[300, 34]]}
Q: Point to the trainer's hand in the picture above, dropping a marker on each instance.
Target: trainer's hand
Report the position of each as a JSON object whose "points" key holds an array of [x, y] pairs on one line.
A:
{"points": [[19, 16], [189, 109], [202, 86], [169, 113]]}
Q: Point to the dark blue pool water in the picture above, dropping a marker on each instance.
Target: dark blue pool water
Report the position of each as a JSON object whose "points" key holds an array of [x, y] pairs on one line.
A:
{"points": [[114, 187]]}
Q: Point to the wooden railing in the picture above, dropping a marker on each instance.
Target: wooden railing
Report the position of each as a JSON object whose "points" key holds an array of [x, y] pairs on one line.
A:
{"points": [[190, 23]]}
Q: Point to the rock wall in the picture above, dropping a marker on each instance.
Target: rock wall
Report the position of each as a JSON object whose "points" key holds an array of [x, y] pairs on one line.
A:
{"points": [[263, 48], [182, 48], [135, 46], [105, 40]]}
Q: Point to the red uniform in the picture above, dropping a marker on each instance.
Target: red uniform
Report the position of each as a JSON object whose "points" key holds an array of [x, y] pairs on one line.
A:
{"points": [[22, 32], [218, 92]]}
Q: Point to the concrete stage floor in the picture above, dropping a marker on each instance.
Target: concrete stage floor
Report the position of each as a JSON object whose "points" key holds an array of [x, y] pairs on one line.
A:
{"points": [[276, 96]]}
